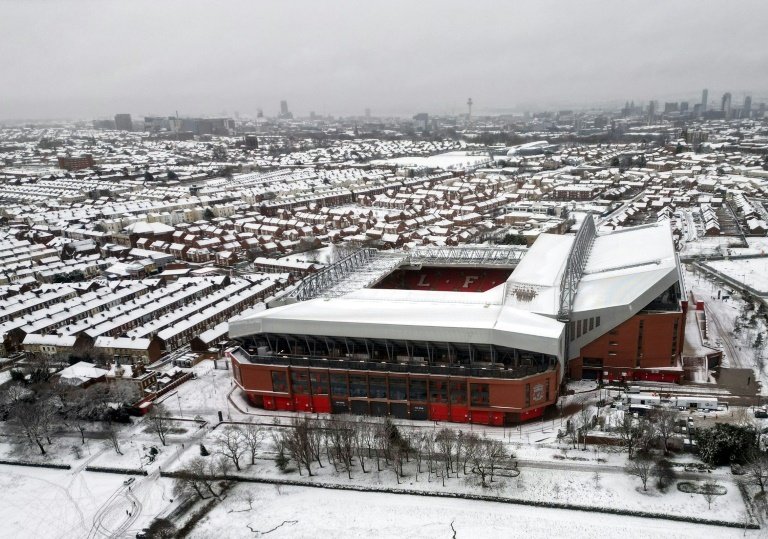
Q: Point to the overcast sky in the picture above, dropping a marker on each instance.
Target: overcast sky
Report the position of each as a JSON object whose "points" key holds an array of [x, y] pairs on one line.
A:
{"points": [[86, 59]]}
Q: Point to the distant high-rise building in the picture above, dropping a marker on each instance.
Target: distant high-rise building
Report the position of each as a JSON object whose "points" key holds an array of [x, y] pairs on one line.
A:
{"points": [[285, 114], [123, 122], [422, 121], [651, 111], [697, 109], [747, 112], [670, 107], [761, 110], [704, 99], [259, 113], [684, 106], [725, 105], [367, 113], [312, 115]]}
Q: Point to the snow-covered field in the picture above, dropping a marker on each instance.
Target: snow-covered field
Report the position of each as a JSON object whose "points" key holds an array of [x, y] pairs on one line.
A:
{"points": [[451, 160], [713, 245], [750, 271], [63, 504], [308, 512]]}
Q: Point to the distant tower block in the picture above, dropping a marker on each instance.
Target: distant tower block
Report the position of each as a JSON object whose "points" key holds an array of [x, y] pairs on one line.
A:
{"points": [[469, 115]]}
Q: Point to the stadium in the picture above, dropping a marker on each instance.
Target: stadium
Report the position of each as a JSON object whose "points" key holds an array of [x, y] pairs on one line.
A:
{"points": [[482, 334]]}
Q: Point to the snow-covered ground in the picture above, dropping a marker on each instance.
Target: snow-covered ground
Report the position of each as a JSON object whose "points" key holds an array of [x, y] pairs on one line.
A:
{"points": [[713, 245], [307, 512], [64, 504], [456, 160], [723, 314], [750, 271], [549, 472]]}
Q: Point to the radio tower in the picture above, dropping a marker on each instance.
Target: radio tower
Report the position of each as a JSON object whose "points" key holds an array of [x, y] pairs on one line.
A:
{"points": [[469, 104]]}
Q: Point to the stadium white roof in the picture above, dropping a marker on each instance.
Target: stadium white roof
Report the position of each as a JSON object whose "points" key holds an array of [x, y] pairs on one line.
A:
{"points": [[442, 321], [624, 272]]}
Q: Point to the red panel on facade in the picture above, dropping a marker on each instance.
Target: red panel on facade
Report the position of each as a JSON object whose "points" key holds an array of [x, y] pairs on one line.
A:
{"points": [[322, 404], [483, 418], [497, 418], [531, 414], [459, 414], [269, 403], [283, 403], [302, 403], [438, 412]]}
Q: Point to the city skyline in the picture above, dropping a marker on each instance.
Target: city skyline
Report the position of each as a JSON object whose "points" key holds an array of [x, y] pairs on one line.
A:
{"points": [[395, 59]]}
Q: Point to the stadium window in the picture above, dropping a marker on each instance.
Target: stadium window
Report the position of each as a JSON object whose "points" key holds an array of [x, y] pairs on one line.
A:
{"points": [[377, 387], [319, 383], [279, 382], [597, 321], [397, 389], [438, 391], [573, 330], [358, 385], [578, 329], [417, 390], [478, 394], [339, 385], [591, 324], [458, 392], [300, 382]]}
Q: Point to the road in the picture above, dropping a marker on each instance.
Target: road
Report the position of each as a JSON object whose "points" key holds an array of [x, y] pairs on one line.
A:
{"points": [[734, 356], [621, 209]]}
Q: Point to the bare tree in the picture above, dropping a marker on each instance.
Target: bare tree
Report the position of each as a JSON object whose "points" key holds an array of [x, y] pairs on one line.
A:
{"points": [[471, 445], [446, 440], [757, 469], [31, 419], [710, 490], [295, 440], [342, 439], [458, 449], [232, 445], [113, 436], [254, 435], [197, 476], [398, 455], [360, 442], [641, 467], [663, 421], [315, 436], [585, 420], [78, 410], [484, 460], [664, 474], [123, 392], [159, 421], [629, 433], [496, 454]]}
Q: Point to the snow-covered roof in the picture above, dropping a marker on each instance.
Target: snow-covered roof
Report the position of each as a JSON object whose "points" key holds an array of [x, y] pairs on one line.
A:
{"points": [[81, 371]]}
